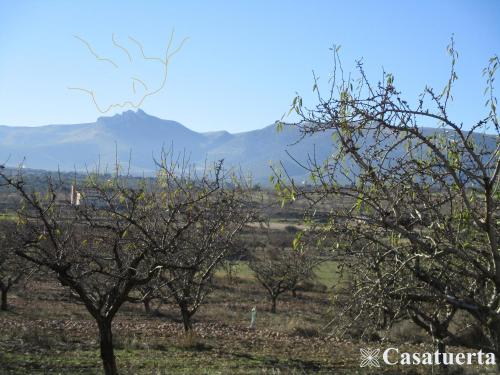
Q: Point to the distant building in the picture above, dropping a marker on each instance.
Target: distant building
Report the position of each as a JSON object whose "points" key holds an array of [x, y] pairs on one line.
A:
{"points": [[75, 196]]}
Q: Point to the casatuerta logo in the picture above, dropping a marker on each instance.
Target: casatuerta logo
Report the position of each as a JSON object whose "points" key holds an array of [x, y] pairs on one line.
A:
{"points": [[392, 356]]}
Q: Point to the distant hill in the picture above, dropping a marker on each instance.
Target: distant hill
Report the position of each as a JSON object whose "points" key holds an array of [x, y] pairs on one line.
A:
{"points": [[139, 137]]}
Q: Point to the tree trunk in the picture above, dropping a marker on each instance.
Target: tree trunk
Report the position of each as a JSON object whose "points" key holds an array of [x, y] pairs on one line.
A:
{"points": [[4, 305], [494, 329], [441, 347], [273, 305], [107, 351], [147, 306], [186, 319]]}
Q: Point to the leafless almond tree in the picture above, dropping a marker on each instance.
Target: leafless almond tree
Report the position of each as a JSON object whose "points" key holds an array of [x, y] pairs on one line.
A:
{"points": [[201, 249], [419, 222], [118, 238], [280, 269]]}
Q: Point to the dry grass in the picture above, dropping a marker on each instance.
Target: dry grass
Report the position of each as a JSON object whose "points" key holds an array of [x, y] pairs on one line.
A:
{"points": [[46, 332]]}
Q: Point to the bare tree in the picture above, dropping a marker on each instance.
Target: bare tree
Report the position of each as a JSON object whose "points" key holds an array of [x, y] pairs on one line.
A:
{"points": [[279, 270], [116, 240], [188, 275], [148, 294], [420, 216]]}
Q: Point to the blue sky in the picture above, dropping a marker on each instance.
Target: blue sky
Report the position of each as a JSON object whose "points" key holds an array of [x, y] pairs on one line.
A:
{"points": [[244, 60]]}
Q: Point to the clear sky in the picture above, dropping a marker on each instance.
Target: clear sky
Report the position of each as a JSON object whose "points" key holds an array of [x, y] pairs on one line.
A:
{"points": [[244, 60]]}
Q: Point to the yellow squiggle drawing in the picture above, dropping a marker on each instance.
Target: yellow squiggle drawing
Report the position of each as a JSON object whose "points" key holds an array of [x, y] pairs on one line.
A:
{"points": [[140, 81], [94, 53], [142, 51], [121, 47], [165, 62]]}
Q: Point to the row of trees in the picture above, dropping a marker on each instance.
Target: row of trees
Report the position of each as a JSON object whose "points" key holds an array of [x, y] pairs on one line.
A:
{"points": [[128, 241], [420, 221]]}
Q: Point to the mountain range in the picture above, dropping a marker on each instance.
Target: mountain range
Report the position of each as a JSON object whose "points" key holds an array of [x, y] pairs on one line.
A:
{"points": [[136, 139]]}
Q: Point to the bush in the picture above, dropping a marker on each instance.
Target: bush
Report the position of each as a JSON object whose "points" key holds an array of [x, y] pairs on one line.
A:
{"points": [[191, 341], [128, 342], [41, 338], [306, 331], [301, 328], [407, 332]]}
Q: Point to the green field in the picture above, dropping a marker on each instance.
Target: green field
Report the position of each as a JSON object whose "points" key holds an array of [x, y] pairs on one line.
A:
{"points": [[326, 273]]}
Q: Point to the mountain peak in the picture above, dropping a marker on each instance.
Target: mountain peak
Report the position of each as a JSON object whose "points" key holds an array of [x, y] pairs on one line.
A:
{"points": [[134, 126], [129, 115]]}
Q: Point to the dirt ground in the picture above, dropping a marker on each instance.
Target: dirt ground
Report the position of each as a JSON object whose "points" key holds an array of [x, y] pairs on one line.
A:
{"points": [[46, 332]]}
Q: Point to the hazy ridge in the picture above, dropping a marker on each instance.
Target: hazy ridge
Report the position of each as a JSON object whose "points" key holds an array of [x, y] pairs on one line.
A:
{"points": [[139, 137]]}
